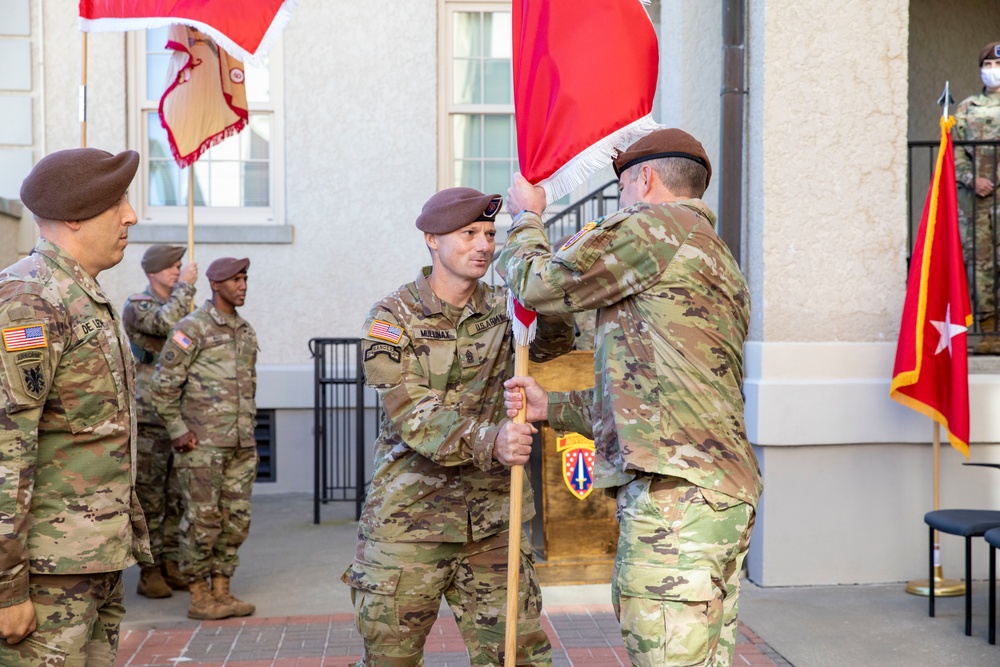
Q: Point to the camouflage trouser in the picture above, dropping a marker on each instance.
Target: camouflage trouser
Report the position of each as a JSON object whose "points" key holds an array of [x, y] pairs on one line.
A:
{"points": [[78, 617], [159, 491], [397, 587], [979, 260], [215, 486], [677, 574]]}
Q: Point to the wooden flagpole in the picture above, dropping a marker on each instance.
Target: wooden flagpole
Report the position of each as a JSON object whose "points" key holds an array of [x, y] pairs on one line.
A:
{"points": [[514, 527], [83, 94], [190, 212]]}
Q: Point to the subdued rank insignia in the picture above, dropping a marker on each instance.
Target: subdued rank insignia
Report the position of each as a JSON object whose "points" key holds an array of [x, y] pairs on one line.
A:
{"points": [[576, 237], [577, 463]]}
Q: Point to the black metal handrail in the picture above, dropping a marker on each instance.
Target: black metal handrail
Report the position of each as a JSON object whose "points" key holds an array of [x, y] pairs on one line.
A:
{"points": [[983, 284]]}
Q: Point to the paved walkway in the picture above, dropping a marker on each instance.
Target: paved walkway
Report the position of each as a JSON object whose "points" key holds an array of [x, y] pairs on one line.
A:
{"points": [[584, 635]]}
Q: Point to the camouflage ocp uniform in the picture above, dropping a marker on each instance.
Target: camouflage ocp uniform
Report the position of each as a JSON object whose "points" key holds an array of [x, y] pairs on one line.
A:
{"points": [[977, 118], [666, 413], [205, 384], [70, 521], [148, 320], [435, 520]]}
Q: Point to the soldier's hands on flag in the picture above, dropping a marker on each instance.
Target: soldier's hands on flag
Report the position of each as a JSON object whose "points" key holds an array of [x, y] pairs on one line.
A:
{"points": [[538, 398], [17, 621], [523, 196], [513, 444], [189, 273]]}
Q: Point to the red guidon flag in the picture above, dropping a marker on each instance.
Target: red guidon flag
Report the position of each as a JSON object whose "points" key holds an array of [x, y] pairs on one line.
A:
{"points": [[584, 77], [931, 374], [246, 29], [205, 100]]}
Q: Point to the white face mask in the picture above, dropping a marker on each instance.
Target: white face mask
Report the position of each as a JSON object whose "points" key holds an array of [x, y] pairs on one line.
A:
{"points": [[991, 77]]}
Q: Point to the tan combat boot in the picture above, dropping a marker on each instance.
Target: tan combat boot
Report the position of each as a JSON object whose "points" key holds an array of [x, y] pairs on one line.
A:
{"points": [[172, 575], [220, 589], [151, 583], [203, 605]]}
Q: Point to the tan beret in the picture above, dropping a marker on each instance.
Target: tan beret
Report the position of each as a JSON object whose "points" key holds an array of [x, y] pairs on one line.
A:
{"points": [[990, 52], [160, 257], [78, 183], [455, 208], [664, 143], [225, 268]]}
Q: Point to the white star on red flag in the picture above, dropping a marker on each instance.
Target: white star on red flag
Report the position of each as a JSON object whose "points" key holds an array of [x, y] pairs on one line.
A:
{"points": [[947, 330]]}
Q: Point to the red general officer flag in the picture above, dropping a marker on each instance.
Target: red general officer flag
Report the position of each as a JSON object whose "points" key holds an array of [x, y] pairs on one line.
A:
{"points": [[205, 100], [584, 77], [246, 29], [931, 374]]}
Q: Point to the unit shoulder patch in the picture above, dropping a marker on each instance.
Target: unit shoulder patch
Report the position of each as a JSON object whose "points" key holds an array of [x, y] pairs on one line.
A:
{"points": [[576, 237]]}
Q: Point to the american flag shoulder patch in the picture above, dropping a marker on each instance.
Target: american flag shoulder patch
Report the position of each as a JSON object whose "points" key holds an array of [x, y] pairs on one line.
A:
{"points": [[181, 339], [385, 331], [27, 337]]}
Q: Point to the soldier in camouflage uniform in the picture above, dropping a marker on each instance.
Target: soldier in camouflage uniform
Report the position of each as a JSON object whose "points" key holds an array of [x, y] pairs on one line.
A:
{"points": [[70, 521], [435, 521], [977, 118], [667, 412], [204, 388], [149, 316]]}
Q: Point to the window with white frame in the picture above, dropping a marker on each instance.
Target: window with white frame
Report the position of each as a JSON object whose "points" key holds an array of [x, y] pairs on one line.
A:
{"points": [[237, 181], [479, 147]]}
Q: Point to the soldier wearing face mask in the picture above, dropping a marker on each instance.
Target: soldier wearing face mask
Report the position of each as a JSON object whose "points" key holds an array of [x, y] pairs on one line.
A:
{"points": [[976, 169]]}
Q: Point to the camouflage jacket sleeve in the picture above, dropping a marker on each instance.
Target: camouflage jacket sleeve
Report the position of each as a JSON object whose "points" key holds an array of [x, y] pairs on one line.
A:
{"points": [[416, 411], [20, 412], [171, 375], [571, 411], [155, 319], [554, 336], [963, 163], [611, 260]]}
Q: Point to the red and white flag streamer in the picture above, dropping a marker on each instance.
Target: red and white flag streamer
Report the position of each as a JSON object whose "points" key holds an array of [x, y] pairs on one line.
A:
{"points": [[245, 29], [523, 324], [584, 78]]}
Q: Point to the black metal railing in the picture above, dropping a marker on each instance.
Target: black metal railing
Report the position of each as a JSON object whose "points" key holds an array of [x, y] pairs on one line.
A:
{"points": [[343, 413], [978, 239]]}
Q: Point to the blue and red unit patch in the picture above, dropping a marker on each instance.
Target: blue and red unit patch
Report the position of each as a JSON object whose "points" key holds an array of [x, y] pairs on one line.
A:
{"points": [[577, 463]]}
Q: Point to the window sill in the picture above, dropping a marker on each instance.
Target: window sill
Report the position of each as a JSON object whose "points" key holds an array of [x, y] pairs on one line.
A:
{"points": [[165, 233]]}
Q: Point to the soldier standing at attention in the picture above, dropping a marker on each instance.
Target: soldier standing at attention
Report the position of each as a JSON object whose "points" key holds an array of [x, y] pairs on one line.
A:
{"points": [[667, 414], [203, 388], [70, 521], [977, 118], [435, 521], [149, 316]]}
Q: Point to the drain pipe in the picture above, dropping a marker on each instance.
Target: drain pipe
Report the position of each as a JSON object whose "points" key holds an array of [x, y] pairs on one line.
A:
{"points": [[731, 144]]}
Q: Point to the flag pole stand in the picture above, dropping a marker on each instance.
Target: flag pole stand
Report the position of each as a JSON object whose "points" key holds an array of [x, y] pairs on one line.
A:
{"points": [[514, 526], [942, 587]]}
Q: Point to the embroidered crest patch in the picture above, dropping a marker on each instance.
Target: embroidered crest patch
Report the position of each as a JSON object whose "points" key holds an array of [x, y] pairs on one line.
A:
{"points": [[26, 337], [385, 331], [576, 237], [33, 381], [577, 463]]}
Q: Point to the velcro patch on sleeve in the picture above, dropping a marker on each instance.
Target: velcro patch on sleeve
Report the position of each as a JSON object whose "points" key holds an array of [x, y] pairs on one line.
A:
{"points": [[26, 337], [385, 331], [181, 339], [382, 364]]}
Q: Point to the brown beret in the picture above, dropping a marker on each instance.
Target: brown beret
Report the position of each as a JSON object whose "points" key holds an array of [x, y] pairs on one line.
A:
{"points": [[990, 52], [78, 183], [664, 143], [160, 257], [225, 268], [455, 208]]}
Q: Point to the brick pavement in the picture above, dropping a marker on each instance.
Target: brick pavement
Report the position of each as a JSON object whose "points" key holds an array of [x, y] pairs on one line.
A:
{"points": [[582, 635]]}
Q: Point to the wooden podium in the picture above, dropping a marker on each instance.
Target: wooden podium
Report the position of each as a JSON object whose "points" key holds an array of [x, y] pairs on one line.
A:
{"points": [[574, 540]]}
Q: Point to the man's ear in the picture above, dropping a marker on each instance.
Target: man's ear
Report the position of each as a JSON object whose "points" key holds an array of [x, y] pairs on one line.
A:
{"points": [[75, 225], [431, 240]]}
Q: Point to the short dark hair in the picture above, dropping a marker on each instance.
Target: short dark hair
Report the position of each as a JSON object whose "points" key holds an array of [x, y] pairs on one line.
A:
{"points": [[680, 175]]}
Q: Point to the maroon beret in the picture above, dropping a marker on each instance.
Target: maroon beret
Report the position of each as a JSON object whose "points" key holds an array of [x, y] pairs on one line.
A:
{"points": [[664, 143], [455, 208], [990, 52], [225, 268], [78, 183], [160, 257]]}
